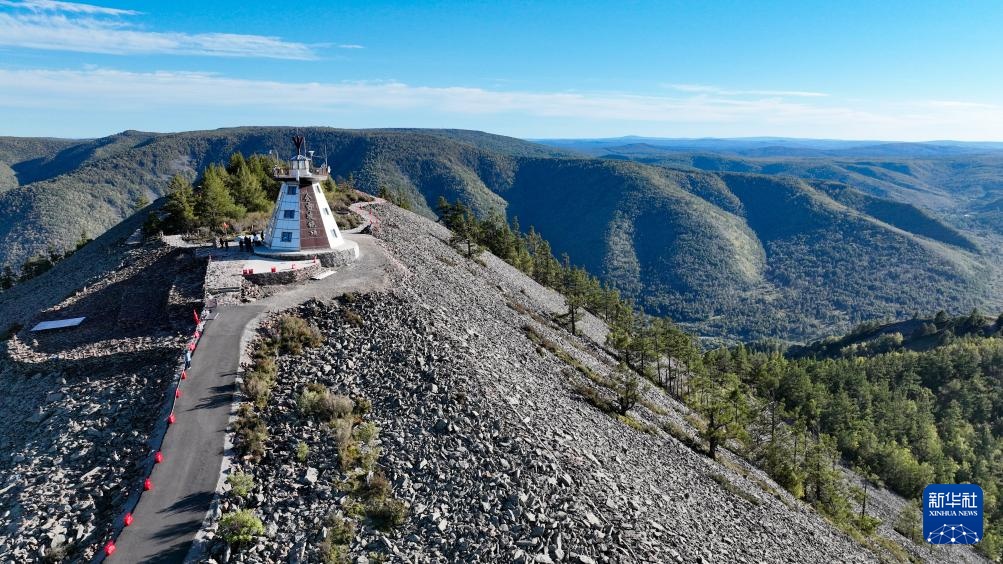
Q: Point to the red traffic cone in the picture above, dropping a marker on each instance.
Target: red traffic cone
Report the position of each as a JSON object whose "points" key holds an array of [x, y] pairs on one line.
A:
{"points": [[177, 393], [109, 548], [184, 374], [128, 519], [158, 457], [147, 485], [170, 419]]}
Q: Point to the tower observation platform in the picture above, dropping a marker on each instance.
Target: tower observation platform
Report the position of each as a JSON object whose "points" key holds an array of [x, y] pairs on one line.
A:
{"points": [[303, 225]]}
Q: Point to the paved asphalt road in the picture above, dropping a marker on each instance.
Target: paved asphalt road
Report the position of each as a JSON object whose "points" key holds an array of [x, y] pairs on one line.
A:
{"points": [[168, 516]]}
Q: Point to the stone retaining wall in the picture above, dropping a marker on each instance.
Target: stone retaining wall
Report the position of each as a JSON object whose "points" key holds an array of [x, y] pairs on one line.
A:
{"points": [[284, 276]]}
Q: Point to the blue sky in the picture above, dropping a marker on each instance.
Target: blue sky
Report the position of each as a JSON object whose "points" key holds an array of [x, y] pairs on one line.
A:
{"points": [[848, 69]]}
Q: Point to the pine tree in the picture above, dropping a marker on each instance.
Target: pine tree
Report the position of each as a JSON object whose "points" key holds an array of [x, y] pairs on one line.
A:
{"points": [[573, 288], [466, 229], [237, 162], [627, 389], [214, 203], [246, 190], [180, 206], [720, 398]]}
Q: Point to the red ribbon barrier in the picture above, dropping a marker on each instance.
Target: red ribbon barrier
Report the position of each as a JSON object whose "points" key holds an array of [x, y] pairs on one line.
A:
{"points": [[128, 519]]}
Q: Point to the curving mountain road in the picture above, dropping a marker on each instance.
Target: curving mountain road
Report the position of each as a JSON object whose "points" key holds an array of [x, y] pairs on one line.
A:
{"points": [[168, 516]]}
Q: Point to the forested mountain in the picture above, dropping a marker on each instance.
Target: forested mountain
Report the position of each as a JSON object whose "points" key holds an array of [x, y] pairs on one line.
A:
{"points": [[908, 404], [729, 254], [963, 181]]}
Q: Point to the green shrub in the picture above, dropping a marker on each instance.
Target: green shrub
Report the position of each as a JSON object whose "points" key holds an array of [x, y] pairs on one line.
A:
{"points": [[682, 436], [378, 487], [302, 451], [355, 508], [627, 389], [349, 455], [259, 380], [726, 484], [366, 432], [339, 529], [240, 527], [318, 402], [867, 524], [240, 484], [341, 431], [352, 318], [334, 553], [368, 457], [637, 425], [909, 523], [295, 334], [387, 513], [251, 433], [257, 390]]}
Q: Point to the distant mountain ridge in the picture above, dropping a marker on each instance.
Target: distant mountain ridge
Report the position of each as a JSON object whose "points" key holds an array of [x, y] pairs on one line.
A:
{"points": [[776, 146], [731, 254]]}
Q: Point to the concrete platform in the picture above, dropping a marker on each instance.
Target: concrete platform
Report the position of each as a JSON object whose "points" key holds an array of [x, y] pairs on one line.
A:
{"points": [[341, 255]]}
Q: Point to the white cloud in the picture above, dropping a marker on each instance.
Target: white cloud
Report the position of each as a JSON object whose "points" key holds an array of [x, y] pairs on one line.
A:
{"points": [[68, 7], [350, 46], [120, 94], [706, 89], [64, 26], [187, 89]]}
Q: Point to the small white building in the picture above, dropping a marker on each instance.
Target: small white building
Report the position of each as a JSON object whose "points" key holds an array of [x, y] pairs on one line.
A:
{"points": [[303, 223], [302, 219]]}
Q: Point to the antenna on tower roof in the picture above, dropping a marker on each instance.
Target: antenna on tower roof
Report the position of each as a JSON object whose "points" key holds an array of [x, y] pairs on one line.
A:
{"points": [[300, 142]]}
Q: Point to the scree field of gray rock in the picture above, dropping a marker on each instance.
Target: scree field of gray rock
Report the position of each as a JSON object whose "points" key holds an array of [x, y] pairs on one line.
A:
{"points": [[481, 435]]}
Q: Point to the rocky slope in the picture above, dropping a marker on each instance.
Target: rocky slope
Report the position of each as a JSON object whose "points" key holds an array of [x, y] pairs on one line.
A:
{"points": [[485, 439], [79, 404]]}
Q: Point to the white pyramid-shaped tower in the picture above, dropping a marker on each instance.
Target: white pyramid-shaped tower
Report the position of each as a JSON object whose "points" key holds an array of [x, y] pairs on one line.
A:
{"points": [[302, 221]]}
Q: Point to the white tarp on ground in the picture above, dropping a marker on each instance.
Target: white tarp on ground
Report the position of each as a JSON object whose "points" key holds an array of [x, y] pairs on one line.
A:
{"points": [[58, 324]]}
